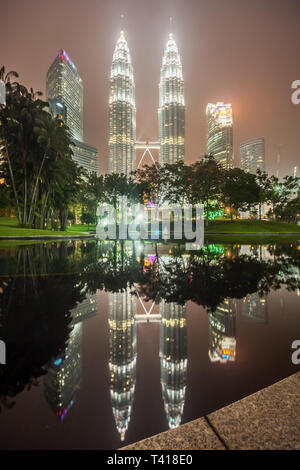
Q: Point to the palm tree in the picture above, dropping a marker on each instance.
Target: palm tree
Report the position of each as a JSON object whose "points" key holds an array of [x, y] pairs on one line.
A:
{"points": [[5, 77]]}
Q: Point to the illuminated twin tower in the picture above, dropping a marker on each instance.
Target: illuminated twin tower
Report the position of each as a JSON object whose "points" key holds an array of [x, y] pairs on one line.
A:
{"points": [[122, 111]]}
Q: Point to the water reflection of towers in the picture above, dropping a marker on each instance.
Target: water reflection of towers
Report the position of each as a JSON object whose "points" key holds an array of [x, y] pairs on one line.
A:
{"points": [[65, 371], [122, 356], [222, 332], [64, 375], [173, 360]]}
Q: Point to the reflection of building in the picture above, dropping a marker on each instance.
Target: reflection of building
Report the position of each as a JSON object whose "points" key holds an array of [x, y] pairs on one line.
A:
{"points": [[122, 113], [255, 307], [122, 356], [64, 375], [85, 309], [173, 360], [222, 332], [219, 133], [64, 92], [171, 112], [64, 372], [252, 155]]}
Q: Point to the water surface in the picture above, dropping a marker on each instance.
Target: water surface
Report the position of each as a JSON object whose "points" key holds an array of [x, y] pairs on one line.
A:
{"points": [[109, 343]]}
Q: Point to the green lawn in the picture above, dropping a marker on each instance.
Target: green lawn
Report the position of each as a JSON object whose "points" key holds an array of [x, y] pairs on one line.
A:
{"points": [[253, 226], [9, 227], [251, 231], [225, 230]]}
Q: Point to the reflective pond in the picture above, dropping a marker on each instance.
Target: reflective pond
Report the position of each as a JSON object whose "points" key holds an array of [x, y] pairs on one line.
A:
{"points": [[108, 343]]}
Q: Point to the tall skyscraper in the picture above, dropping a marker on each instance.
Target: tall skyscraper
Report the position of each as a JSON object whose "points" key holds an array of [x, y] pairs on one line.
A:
{"points": [[252, 155], [219, 133], [171, 112], [122, 112], [64, 93]]}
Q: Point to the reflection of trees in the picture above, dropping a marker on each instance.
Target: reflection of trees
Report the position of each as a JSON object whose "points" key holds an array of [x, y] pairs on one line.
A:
{"points": [[208, 282], [35, 311], [206, 278], [34, 325]]}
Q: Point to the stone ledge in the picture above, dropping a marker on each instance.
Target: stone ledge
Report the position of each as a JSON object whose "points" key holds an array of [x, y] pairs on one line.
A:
{"points": [[268, 419], [190, 436]]}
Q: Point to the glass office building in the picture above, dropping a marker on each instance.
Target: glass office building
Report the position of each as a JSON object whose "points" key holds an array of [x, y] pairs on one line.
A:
{"points": [[122, 112], [64, 92], [252, 155], [219, 133], [64, 86], [171, 112]]}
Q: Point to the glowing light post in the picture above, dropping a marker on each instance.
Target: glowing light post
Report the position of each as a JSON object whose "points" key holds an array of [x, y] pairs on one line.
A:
{"points": [[2, 93], [2, 352]]}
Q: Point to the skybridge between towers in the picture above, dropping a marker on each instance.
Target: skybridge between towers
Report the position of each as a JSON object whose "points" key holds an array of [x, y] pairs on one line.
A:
{"points": [[148, 147]]}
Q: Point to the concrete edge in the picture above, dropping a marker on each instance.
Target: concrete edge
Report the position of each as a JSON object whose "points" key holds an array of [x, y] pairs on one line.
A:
{"points": [[267, 419]]}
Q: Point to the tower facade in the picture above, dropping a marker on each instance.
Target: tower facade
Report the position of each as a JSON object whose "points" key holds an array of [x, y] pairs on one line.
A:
{"points": [[219, 133], [64, 89], [64, 93], [252, 155], [122, 112], [171, 112]]}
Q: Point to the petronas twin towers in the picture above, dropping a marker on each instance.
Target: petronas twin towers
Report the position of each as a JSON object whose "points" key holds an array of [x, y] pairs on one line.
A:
{"points": [[122, 111]]}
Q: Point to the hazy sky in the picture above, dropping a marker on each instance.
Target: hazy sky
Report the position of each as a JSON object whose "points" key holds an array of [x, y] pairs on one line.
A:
{"points": [[244, 52]]}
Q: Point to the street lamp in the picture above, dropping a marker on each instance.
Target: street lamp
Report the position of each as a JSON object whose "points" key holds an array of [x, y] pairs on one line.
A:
{"points": [[2, 93]]}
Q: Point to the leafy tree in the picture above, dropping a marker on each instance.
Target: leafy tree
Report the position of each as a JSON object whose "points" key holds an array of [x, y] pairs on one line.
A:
{"points": [[91, 194], [6, 76], [265, 184], [281, 194], [149, 180], [88, 218], [239, 190], [206, 180], [37, 157]]}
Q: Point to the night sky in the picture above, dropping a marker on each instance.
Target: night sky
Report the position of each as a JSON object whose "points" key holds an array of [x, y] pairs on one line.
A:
{"points": [[243, 52]]}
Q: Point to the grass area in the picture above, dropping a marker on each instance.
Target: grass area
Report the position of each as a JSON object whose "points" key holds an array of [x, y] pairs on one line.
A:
{"points": [[239, 231], [250, 226], [9, 227], [251, 231], [246, 239]]}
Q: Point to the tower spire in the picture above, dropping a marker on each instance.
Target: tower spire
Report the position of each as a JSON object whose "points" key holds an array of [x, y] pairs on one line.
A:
{"points": [[171, 112], [171, 29], [122, 120]]}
